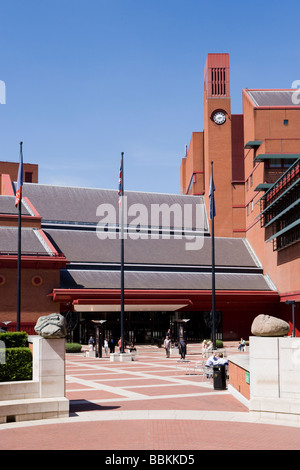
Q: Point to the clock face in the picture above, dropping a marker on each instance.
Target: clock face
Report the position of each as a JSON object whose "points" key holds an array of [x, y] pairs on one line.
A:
{"points": [[219, 117]]}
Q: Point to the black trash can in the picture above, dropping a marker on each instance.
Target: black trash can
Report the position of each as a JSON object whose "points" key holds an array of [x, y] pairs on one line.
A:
{"points": [[219, 376]]}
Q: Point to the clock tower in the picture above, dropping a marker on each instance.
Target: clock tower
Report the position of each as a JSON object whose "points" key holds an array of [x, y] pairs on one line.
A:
{"points": [[221, 142], [218, 132]]}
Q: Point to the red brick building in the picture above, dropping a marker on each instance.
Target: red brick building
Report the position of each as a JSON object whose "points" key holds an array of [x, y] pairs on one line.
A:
{"points": [[68, 268], [256, 173]]}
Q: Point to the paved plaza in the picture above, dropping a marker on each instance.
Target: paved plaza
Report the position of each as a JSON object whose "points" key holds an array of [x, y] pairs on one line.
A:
{"points": [[152, 403]]}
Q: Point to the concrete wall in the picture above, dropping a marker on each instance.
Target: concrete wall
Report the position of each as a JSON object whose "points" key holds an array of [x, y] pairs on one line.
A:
{"points": [[44, 395], [275, 377]]}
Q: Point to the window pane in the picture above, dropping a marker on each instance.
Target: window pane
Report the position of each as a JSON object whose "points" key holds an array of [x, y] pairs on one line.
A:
{"points": [[288, 163], [274, 163]]}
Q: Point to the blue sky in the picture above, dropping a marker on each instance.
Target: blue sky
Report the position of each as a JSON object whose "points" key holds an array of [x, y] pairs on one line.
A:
{"points": [[88, 79]]}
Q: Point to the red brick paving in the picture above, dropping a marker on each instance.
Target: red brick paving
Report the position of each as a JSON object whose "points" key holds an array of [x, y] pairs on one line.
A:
{"points": [[152, 435], [152, 386]]}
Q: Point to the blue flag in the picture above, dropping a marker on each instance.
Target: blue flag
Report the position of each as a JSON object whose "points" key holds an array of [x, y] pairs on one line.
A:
{"points": [[212, 208]]}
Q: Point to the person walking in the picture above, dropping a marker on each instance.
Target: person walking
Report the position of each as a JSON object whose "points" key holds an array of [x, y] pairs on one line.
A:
{"points": [[167, 346], [182, 344], [91, 343], [106, 347], [111, 346]]}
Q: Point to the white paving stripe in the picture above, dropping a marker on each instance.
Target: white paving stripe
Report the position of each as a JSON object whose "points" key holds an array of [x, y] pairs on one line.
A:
{"points": [[165, 415], [119, 390], [150, 397], [140, 371], [128, 379], [139, 374], [128, 415], [106, 388]]}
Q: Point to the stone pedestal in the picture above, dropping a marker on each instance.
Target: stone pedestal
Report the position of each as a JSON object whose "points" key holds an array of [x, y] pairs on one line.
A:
{"points": [[43, 396], [121, 357], [275, 377], [126, 357], [49, 366]]}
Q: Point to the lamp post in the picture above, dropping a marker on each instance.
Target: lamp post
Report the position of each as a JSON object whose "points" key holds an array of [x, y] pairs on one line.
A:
{"points": [[292, 303], [99, 324], [182, 328], [185, 320]]}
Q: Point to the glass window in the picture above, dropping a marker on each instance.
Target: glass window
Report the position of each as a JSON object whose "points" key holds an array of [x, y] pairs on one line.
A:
{"points": [[274, 163], [287, 163], [28, 177]]}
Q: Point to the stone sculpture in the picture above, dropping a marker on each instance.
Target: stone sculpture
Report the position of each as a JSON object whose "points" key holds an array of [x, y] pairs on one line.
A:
{"points": [[51, 326], [266, 325]]}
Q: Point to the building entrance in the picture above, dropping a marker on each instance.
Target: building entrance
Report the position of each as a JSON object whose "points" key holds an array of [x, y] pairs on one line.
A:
{"points": [[148, 327]]}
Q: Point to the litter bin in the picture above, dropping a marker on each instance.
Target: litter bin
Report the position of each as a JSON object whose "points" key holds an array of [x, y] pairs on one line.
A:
{"points": [[219, 376]]}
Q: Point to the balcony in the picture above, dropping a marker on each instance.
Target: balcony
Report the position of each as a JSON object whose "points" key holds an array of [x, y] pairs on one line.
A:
{"points": [[280, 208]]}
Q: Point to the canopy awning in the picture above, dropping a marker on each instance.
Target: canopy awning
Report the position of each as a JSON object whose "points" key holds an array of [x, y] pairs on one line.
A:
{"points": [[276, 156], [131, 305], [252, 144], [263, 186]]}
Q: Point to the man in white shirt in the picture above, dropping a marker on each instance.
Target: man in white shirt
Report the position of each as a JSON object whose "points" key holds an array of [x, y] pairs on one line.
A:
{"points": [[212, 360], [167, 345]]}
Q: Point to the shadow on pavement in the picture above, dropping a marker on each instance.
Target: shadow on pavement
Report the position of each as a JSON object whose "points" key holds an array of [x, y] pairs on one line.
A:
{"points": [[85, 405]]}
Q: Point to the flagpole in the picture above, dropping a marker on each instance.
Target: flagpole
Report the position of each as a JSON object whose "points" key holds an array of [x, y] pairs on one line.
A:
{"points": [[18, 328], [122, 253], [212, 215]]}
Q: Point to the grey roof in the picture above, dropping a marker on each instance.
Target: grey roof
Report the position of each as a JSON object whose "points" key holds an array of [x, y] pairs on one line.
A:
{"points": [[273, 97], [86, 247], [79, 205], [32, 242], [7, 206], [70, 221], [161, 280]]}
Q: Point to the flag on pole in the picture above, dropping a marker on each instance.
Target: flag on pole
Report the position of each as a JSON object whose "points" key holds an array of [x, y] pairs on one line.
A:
{"points": [[212, 213], [212, 208], [120, 181], [20, 179], [121, 222]]}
